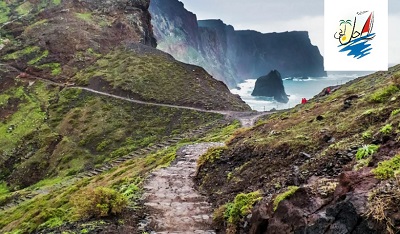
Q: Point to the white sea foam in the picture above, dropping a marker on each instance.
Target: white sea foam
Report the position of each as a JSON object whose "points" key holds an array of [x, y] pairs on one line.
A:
{"points": [[295, 88]]}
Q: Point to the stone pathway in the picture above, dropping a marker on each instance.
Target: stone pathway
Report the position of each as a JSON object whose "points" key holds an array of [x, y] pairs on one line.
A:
{"points": [[173, 203]]}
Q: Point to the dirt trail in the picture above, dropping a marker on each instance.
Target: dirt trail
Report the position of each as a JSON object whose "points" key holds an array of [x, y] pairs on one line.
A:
{"points": [[247, 119], [174, 205]]}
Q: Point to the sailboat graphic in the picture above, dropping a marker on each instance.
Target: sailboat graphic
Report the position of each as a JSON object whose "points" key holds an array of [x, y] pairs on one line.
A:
{"points": [[368, 25], [356, 42]]}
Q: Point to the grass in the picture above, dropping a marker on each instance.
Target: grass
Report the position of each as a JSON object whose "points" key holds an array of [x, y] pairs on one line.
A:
{"points": [[3, 188], [40, 57], [99, 202], [60, 205], [24, 8], [387, 129], [85, 16], [55, 68], [224, 134], [18, 54], [46, 183], [241, 206], [29, 117], [367, 135], [366, 151], [211, 155], [387, 169], [383, 94], [289, 192], [395, 112], [4, 12], [158, 78], [271, 147], [87, 130]]}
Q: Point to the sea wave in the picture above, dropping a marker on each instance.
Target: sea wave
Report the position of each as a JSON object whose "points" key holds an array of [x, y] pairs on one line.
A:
{"points": [[295, 88]]}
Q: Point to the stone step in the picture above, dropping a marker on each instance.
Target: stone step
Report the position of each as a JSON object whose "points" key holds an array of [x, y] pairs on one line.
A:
{"points": [[92, 173], [145, 151], [107, 166], [152, 148]]}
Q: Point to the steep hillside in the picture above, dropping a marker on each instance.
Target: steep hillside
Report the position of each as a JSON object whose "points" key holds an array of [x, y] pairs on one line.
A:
{"points": [[66, 41], [329, 166], [57, 145], [74, 159], [229, 55]]}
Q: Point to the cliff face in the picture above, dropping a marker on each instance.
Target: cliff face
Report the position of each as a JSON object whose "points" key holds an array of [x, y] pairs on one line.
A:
{"points": [[229, 55]]}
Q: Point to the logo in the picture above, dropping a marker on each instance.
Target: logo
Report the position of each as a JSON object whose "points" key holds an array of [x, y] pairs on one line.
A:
{"points": [[356, 35], [354, 40]]}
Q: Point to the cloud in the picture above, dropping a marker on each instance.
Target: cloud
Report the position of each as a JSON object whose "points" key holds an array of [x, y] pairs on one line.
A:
{"points": [[253, 10], [394, 39]]}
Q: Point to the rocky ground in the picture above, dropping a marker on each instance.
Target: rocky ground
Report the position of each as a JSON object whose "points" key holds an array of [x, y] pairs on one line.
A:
{"points": [[329, 166]]}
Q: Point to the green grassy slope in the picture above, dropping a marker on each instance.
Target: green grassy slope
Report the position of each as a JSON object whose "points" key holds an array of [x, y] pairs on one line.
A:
{"points": [[98, 43], [323, 138], [49, 135], [53, 132]]}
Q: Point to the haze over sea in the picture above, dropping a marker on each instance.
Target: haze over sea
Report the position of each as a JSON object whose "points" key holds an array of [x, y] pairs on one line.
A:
{"points": [[296, 88]]}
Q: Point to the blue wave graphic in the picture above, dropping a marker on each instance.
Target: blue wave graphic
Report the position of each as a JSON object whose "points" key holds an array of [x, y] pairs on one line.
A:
{"points": [[358, 48]]}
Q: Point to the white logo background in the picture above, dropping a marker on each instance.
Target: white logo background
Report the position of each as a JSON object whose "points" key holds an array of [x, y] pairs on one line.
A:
{"points": [[336, 10]]}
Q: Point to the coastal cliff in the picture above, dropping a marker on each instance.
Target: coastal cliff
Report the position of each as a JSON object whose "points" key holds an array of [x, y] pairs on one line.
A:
{"points": [[230, 55]]}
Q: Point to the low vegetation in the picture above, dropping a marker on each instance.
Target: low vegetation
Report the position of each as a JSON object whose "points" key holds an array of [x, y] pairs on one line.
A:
{"points": [[211, 155], [388, 169], [280, 197], [387, 129], [157, 77], [359, 129], [241, 206], [384, 94], [84, 130], [366, 151], [99, 202]]}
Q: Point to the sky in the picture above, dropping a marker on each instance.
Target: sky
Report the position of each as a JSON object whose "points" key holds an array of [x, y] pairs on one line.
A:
{"points": [[285, 15]]}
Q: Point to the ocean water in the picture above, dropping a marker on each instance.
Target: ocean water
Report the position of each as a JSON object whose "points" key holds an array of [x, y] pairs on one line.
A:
{"points": [[296, 88]]}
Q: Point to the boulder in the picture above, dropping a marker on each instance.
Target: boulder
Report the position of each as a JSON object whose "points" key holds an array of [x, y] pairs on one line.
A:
{"points": [[271, 85]]}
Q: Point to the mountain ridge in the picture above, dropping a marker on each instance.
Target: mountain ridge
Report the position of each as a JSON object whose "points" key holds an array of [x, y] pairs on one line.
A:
{"points": [[229, 55]]}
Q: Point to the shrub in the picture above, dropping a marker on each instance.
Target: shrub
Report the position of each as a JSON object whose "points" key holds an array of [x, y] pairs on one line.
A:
{"points": [[387, 129], [241, 206], [368, 112], [290, 191], [395, 112], [396, 78], [3, 188], [366, 151], [384, 94], [367, 135], [103, 145], [99, 202], [387, 169]]}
